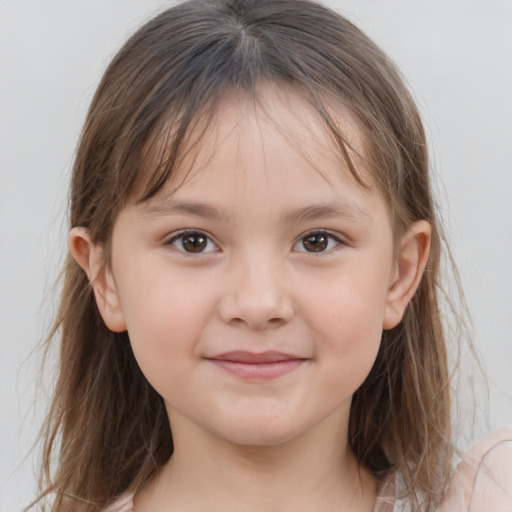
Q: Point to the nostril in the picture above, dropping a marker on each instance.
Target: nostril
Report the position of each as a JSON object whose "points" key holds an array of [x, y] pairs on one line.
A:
{"points": [[255, 316], [276, 321], [258, 298], [256, 324]]}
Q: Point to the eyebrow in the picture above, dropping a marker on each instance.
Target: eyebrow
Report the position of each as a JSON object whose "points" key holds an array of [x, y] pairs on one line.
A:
{"points": [[195, 209], [323, 211], [349, 211]]}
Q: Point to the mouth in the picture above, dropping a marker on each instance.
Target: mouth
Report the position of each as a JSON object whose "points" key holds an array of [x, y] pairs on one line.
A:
{"points": [[257, 366]]}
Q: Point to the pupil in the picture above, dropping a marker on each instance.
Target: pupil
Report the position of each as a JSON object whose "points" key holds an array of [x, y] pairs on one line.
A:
{"points": [[194, 243], [315, 243]]}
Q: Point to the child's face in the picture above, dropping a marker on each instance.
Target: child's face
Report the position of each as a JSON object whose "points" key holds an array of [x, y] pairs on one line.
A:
{"points": [[259, 322]]}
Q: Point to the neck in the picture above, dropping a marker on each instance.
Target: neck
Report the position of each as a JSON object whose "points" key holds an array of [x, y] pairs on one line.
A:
{"points": [[312, 472]]}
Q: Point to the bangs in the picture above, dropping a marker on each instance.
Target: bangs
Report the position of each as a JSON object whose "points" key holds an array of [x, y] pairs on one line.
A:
{"points": [[167, 82], [174, 144]]}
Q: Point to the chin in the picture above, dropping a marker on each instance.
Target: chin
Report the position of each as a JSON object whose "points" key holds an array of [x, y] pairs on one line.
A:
{"points": [[260, 440], [260, 433]]}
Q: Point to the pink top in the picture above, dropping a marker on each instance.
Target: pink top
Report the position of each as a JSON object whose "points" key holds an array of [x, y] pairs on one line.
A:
{"points": [[481, 483]]}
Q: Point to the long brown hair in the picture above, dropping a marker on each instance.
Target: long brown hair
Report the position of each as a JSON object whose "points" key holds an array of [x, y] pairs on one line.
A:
{"points": [[107, 430]]}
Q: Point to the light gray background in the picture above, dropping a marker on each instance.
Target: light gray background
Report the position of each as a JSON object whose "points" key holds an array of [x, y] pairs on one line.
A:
{"points": [[455, 54]]}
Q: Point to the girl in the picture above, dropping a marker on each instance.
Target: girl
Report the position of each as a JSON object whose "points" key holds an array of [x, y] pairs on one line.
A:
{"points": [[250, 317]]}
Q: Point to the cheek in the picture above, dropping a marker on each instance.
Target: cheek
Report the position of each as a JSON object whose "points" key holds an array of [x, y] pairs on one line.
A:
{"points": [[351, 306], [165, 320], [346, 316], [352, 341]]}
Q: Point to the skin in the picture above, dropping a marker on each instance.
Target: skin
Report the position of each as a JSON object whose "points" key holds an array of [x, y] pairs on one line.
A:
{"points": [[262, 444]]}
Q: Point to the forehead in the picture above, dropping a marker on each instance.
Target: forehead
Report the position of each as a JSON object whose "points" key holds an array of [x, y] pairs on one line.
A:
{"points": [[276, 131], [256, 165]]}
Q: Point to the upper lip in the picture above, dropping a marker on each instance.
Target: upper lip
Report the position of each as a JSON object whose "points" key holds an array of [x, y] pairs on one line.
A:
{"points": [[243, 356]]}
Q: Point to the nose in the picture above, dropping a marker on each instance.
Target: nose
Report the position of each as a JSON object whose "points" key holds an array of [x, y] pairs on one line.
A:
{"points": [[256, 294]]}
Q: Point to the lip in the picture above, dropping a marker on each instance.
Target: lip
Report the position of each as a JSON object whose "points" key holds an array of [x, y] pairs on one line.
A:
{"points": [[257, 365]]}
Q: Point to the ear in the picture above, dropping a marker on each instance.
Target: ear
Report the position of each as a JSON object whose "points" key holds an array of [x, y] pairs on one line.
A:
{"points": [[90, 257], [409, 267]]}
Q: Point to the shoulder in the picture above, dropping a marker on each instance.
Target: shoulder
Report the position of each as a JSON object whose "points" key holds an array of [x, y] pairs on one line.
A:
{"points": [[483, 479], [123, 504]]}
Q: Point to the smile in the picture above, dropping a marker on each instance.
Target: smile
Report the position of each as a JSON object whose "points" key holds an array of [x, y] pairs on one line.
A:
{"points": [[257, 366]]}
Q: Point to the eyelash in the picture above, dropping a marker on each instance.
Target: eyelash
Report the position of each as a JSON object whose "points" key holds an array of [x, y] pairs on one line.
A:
{"points": [[324, 237], [181, 236], [329, 238]]}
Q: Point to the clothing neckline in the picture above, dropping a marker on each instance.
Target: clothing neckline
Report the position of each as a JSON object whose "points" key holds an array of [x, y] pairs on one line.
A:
{"points": [[385, 501]]}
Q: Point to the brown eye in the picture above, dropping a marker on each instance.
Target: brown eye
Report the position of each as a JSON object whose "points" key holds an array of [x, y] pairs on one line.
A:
{"points": [[193, 242], [316, 242]]}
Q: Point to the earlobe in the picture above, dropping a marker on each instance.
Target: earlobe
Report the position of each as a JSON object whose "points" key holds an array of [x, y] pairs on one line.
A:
{"points": [[90, 257], [410, 265]]}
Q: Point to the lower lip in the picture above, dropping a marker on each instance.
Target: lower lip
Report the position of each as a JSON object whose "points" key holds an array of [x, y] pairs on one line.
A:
{"points": [[259, 371]]}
